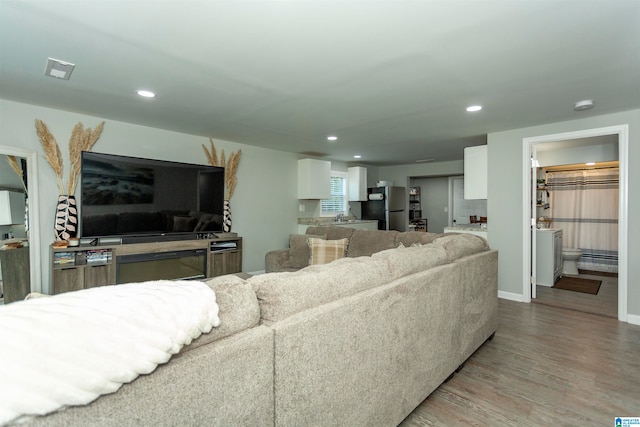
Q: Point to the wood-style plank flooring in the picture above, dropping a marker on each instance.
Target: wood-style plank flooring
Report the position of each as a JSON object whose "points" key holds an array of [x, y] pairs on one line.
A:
{"points": [[605, 303], [546, 366]]}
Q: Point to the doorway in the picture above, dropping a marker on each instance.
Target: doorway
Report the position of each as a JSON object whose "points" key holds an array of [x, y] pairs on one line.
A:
{"points": [[529, 261], [434, 201], [33, 233], [582, 203]]}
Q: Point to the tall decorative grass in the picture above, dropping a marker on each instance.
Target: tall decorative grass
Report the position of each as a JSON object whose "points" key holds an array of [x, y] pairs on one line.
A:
{"points": [[230, 167], [13, 162], [81, 140]]}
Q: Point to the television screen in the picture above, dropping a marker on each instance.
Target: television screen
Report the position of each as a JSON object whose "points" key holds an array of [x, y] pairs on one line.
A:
{"points": [[125, 196]]}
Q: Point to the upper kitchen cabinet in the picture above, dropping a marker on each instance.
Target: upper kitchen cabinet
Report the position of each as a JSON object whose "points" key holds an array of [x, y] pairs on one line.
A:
{"points": [[357, 184], [314, 179], [12, 205], [475, 172]]}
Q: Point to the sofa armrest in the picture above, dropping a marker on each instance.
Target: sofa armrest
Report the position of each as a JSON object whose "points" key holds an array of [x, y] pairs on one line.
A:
{"points": [[277, 260]]}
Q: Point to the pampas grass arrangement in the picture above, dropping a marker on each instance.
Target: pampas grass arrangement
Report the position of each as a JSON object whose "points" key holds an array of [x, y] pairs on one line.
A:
{"points": [[230, 166], [81, 140], [13, 162]]}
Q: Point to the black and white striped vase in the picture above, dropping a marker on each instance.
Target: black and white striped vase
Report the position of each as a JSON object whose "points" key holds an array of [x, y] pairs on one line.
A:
{"points": [[226, 219], [66, 223]]}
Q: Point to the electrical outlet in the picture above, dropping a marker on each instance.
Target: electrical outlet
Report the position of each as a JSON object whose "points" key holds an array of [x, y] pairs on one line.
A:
{"points": [[446, 209], [301, 207]]}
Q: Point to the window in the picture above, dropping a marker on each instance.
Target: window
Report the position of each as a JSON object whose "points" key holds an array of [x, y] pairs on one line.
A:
{"points": [[338, 203]]}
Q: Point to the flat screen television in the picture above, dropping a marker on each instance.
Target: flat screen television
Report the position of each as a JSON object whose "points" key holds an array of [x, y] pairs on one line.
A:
{"points": [[130, 196]]}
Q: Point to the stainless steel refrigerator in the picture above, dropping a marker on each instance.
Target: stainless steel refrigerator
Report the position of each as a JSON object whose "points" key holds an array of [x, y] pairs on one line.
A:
{"points": [[387, 205]]}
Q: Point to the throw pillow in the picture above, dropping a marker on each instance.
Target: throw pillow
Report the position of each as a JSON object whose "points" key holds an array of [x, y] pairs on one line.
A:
{"points": [[325, 251], [299, 252], [183, 223]]}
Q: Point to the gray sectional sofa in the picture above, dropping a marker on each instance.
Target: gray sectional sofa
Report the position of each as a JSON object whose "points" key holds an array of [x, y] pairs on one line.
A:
{"points": [[361, 243], [361, 341]]}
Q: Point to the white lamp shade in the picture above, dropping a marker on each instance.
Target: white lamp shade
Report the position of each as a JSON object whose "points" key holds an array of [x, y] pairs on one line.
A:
{"points": [[11, 207]]}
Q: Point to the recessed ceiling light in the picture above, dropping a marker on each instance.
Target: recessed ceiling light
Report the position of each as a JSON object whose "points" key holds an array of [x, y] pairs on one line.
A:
{"points": [[585, 104], [146, 93], [474, 108], [357, 156], [590, 163], [332, 138]]}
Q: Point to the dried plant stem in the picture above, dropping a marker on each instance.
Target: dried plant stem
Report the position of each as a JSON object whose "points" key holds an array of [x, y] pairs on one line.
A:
{"points": [[81, 140], [212, 156], [230, 167], [51, 152], [13, 162]]}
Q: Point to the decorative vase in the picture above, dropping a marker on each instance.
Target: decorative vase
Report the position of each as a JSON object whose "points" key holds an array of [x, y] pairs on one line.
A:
{"points": [[226, 219], [66, 224]]}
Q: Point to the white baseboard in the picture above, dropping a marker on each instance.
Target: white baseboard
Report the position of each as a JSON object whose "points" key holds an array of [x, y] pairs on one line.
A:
{"points": [[634, 319], [510, 296], [255, 273]]}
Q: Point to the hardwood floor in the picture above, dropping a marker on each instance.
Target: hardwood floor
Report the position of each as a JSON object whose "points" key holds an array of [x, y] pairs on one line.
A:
{"points": [[605, 303], [546, 366]]}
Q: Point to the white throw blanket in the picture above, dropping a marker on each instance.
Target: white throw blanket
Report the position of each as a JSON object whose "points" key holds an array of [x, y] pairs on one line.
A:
{"points": [[71, 348]]}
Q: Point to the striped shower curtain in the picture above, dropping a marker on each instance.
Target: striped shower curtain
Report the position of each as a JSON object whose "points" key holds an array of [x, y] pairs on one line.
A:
{"points": [[584, 203]]}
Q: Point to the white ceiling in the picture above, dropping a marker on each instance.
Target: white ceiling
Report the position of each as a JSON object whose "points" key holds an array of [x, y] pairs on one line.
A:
{"points": [[390, 78]]}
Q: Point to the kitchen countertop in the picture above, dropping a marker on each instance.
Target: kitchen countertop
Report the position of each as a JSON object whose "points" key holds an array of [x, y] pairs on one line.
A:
{"points": [[468, 227], [319, 221]]}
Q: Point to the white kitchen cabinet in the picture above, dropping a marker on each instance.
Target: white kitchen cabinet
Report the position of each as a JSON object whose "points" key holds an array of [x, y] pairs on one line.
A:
{"points": [[357, 184], [11, 207], [548, 256], [314, 179], [475, 172]]}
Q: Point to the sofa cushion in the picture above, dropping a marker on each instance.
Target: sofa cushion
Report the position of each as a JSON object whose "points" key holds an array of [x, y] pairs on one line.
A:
{"points": [[100, 225], [408, 238], [184, 223], [129, 222], [332, 232], [460, 245], [326, 251], [283, 294], [367, 242], [403, 261], [239, 309], [299, 249], [209, 222]]}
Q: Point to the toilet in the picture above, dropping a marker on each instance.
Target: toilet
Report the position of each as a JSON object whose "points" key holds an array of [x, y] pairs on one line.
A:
{"points": [[570, 258]]}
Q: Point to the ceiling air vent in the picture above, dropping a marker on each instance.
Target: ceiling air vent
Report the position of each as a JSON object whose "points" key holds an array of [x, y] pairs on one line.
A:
{"points": [[59, 69]]}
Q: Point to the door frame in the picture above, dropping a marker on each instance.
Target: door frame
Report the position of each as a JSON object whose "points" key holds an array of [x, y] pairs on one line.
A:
{"points": [[451, 197], [33, 235], [622, 131]]}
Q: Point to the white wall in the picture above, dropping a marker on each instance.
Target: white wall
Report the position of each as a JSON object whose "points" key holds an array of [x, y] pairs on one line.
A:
{"points": [[580, 154], [401, 175], [506, 198], [264, 206]]}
